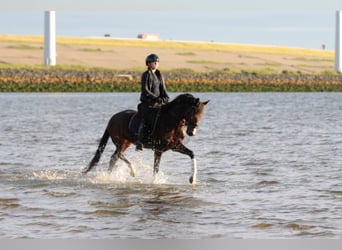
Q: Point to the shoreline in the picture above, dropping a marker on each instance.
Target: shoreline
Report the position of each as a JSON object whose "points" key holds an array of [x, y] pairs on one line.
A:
{"points": [[66, 80]]}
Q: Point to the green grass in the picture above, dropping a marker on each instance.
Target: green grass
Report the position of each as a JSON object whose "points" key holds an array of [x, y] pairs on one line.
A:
{"points": [[91, 50], [186, 54], [202, 62], [306, 59], [94, 50], [266, 71], [4, 64], [190, 81], [198, 87], [25, 47], [270, 64], [330, 72], [181, 71], [227, 70]]}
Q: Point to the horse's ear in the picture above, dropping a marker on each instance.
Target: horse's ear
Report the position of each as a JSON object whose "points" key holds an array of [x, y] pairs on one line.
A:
{"points": [[206, 102]]}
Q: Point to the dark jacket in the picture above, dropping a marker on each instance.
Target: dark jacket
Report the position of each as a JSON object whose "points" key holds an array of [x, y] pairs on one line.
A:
{"points": [[153, 90]]}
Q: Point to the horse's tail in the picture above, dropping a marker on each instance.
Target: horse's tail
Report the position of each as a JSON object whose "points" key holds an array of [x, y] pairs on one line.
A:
{"points": [[98, 153]]}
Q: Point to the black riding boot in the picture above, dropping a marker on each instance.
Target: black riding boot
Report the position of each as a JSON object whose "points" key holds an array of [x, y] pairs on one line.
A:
{"points": [[141, 131]]}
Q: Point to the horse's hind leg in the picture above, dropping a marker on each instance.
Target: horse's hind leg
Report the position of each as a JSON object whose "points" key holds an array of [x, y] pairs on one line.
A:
{"points": [[118, 154], [131, 167], [113, 159], [157, 157]]}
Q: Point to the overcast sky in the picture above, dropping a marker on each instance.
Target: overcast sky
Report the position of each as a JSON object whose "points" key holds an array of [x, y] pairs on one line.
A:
{"points": [[170, 5], [295, 23]]}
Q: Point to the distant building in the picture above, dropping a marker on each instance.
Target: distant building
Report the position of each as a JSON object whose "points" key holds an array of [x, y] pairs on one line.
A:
{"points": [[148, 36]]}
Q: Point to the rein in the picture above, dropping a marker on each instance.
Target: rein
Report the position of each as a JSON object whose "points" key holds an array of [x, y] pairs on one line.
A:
{"points": [[172, 113]]}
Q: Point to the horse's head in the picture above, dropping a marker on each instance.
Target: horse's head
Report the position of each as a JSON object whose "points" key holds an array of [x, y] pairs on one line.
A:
{"points": [[193, 111], [194, 116]]}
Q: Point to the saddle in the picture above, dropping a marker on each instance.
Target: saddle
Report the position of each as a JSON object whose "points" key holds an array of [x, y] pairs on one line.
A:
{"points": [[133, 125], [151, 120]]}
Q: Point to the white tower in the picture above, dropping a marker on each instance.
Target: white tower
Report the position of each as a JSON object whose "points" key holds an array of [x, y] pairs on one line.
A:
{"points": [[338, 41], [50, 38]]}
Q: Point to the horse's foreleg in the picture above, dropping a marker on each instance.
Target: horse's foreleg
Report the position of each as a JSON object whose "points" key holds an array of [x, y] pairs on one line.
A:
{"points": [[131, 167], [157, 157], [184, 150]]}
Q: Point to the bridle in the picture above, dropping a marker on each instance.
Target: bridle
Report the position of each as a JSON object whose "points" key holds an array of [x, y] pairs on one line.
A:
{"points": [[190, 121]]}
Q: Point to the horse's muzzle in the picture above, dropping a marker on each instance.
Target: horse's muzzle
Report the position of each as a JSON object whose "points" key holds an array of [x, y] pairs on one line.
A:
{"points": [[191, 131]]}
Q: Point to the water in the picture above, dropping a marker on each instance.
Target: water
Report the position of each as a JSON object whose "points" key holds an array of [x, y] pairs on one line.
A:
{"points": [[268, 167]]}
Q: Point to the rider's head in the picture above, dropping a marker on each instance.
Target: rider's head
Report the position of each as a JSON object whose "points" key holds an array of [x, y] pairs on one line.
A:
{"points": [[151, 58]]}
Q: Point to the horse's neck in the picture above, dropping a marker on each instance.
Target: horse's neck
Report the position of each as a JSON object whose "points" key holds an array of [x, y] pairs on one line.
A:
{"points": [[173, 116]]}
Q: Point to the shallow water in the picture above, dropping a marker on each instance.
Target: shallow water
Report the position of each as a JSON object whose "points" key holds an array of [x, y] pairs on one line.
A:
{"points": [[268, 167]]}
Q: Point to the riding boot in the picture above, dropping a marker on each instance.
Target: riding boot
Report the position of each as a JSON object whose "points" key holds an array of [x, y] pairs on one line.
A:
{"points": [[141, 135]]}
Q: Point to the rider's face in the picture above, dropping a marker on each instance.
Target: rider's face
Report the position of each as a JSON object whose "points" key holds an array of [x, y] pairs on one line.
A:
{"points": [[153, 65]]}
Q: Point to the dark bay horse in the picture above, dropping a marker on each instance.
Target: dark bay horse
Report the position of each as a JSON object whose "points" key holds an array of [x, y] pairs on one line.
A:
{"points": [[185, 111]]}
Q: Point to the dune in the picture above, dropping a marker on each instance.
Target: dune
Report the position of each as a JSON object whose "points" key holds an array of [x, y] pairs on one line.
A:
{"points": [[129, 55]]}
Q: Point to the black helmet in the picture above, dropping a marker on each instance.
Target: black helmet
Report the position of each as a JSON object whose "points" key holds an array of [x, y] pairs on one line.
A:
{"points": [[151, 58]]}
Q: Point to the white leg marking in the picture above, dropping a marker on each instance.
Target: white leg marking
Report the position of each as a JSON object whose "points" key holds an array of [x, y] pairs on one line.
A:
{"points": [[194, 171], [194, 131], [133, 172]]}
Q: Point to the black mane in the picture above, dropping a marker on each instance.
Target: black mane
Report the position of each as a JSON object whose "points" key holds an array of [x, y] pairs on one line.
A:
{"points": [[181, 99]]}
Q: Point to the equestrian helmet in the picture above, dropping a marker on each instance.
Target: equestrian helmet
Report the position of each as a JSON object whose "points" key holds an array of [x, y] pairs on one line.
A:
{"points": [[151, 58]]}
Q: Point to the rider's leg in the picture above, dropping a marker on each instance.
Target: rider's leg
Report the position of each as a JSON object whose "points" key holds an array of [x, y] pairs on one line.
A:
{"points": [[141, 135]]}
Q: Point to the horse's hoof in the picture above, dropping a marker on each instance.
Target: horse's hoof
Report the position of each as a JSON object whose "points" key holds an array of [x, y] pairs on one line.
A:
{"points": [[192, 180], [133, 174]]}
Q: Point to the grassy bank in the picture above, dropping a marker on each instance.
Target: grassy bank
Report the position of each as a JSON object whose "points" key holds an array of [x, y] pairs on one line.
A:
{"points": [[71, 80]]}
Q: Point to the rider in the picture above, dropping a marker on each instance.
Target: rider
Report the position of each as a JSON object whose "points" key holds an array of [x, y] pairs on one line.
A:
{"points": [[153, 94]]}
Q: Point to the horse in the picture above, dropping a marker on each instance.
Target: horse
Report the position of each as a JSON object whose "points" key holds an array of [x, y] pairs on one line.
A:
{"points": [[172, 121]]}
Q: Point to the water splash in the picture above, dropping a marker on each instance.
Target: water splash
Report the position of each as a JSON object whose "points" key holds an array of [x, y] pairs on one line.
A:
{"points": [[121, 175], [55, 174]]}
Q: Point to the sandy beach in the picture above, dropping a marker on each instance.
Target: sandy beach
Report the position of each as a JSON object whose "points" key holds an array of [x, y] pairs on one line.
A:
{"points": [[200, 57]]}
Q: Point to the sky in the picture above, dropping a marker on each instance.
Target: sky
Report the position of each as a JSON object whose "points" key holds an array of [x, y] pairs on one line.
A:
{"points": [[170, 5], [291, 23]]}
